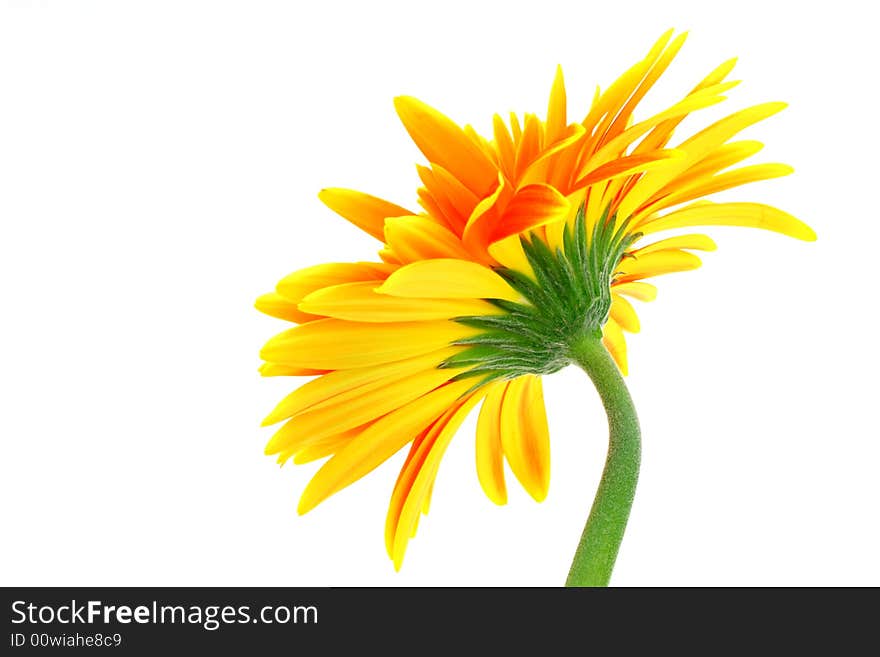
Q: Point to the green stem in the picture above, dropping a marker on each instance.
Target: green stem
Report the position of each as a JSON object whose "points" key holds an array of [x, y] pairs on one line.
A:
{"points": [[597, 550]]}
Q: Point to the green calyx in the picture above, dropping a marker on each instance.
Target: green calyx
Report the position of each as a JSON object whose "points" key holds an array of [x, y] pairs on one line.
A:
{"points": [[568, 299]]}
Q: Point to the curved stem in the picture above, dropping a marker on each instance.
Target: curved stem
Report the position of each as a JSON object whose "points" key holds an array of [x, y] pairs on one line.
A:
{"points": [[597, 550]]}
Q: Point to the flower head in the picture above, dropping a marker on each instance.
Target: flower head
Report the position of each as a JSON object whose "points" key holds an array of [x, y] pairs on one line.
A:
{"points": [[527, 241]]}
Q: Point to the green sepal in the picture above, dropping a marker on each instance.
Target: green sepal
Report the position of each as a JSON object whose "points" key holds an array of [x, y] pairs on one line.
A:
{"points": [[568, 298]]}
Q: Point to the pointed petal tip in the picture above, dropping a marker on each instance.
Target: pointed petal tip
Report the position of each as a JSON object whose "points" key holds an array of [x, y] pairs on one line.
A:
{"points": [[497, 497], [539, 495], [405, 103], [269, 420], [806, 234], [327, 192]]}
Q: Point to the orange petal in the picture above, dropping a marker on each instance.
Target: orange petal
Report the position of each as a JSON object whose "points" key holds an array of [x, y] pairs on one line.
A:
{"points": [[531, 206], [366, 212], [485, 216], [504, 146], [529, 147], [463, 200], [444, 143], [418, 238]]}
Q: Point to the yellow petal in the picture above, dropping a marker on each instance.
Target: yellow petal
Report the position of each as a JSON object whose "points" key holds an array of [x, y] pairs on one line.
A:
{"points": [[366, 212], [524, 434], [275, 305], [417, 479], [753, 215], [274, 369], [615, 343], [415, 459], [554, 234], [724, 156], [713, 184], [419, 238], [307, 449], [655, 264], [330, 387], [359, 302], [695, 241], [557, 119], [447, 279], [356, 407], [660, 58], [614, 147], [294, 287], [636, 290], [624, 314], [719, 132], [379, 442], [625, 166], [660, 136], [695, 148], [323, 448], [509, 253], [444, 143], [607, 107], [490, 455], [334, 344]]}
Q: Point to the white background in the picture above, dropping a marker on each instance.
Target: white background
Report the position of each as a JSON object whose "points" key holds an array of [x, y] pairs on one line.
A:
{"points": [[159, 165]]}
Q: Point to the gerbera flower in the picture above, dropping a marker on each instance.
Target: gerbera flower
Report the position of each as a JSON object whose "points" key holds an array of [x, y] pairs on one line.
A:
{"points": [[522, 260]]}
